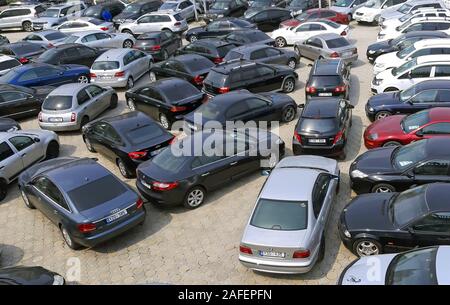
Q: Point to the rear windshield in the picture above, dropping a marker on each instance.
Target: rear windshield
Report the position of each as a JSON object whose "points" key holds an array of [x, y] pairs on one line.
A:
{"points": [[142, 134], [48, 54], [308, 125], [178, 17], [280, 215], [92, 11], [9, 76], [199, 64], [55, 35], [223, 50], [233, 55], [337, 43], [57, 102], [325, 81], [8, 64], [24, 49], [167, 161], [96, 193], [181, 92], [216, 79], [241, 23], [105, 65]]}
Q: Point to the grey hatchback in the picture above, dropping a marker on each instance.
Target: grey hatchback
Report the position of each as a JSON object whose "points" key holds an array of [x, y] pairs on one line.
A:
{"points": [[82, 198]]}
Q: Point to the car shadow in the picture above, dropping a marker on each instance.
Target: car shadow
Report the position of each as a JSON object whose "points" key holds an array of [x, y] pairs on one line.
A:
{"points": [[10, 255], [355, 89], [354, 140]]}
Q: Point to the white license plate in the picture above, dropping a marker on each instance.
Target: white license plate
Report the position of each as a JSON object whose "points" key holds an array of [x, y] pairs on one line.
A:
{"points": [[55, 120], [146, 184], [317, 141], [272, 254], [326, 94], [116, 216], [347, 54], [105, 77]]}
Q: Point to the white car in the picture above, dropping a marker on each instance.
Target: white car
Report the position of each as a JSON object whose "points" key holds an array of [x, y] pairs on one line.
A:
{"points": [[185, 8], [300, 33], [408, 7], [419, 48], [412, 72], [415, 25], [100, 39], [7, 63], [373, 9], [155, 22], [426, 12], [85, 24]]}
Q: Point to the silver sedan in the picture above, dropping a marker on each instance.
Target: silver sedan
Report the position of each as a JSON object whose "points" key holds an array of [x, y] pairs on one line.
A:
{"points": [[71, 106], [285, 232], [100, 39]]}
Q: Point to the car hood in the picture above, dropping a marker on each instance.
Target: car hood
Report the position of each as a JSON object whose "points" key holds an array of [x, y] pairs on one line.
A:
{"points": [[28, 275], [274, 238], [358, 273], [380, 46], [389, 59], [340, 9], [49, 20], [387, 98], [389, 126], [369, 212], [375, 161]]}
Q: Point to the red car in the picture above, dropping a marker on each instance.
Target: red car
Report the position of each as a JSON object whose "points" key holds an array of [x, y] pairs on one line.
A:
{"points": [[316, 13], [404, 129]]}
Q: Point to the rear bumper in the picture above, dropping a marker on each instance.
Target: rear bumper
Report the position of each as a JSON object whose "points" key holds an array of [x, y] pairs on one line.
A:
{"points": [[118, 82], [169, 198], [330, 151], [288, 267], [68, 126]]}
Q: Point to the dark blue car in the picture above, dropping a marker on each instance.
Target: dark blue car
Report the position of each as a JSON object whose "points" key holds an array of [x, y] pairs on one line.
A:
{"points": [[87, 202], [41, 74]]}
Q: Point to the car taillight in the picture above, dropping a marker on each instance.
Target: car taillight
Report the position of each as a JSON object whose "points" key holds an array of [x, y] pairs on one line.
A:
{"points": [[155, 48], [338, 136], [246, 250], [73, 117], [217, 60], [137, 154], [224, 89], [343, 33], [139, 203], [178, 108], [298, 137], [301, 254], [164, 186], [177, 23], [104, 28], [310, 89], [198, 80], [334, 55], [92, 75], [40, 116], [23, 60], [339, 89], [86, 227], [119, 74]]}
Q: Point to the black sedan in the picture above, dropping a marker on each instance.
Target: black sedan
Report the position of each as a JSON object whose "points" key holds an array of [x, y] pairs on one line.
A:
{"points": [[7, 125], [19, 102], [423, 95], [323, 127], [225, 8], [161, 45], [242, 106], [392, 45], [21, 275], [70, 53], [249, 36], [127, 140], [213, 49], [190, 67], [375, 223], [397, 168], [218, 28], [268, 19], [166, 100], [191, 167], [23, 51], [87, 203]]}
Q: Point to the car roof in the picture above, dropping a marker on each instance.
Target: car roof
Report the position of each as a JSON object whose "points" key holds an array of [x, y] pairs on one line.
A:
{"points": [[437, 147], [26, 67], [435, 195], [17, 44], [321, 108], [113, 54], [442, 59], [250, 48], [326, 67], [425, 34], [432, 84], [125, 121], [68, 89]]}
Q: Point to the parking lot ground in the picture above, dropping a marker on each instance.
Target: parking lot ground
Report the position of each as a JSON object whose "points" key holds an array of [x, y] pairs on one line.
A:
{"points": [[176, 245]]}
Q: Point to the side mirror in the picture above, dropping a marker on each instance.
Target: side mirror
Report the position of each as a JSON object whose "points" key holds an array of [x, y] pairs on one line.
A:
{"points": [[37, 140], [419, 133], [265, 172], [301, 106], [410, 174], [411, 230]]}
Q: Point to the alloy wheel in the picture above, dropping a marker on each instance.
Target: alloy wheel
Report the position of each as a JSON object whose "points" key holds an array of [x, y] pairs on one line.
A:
{"points": [[195, 198], [83, 79], [366, 248]]}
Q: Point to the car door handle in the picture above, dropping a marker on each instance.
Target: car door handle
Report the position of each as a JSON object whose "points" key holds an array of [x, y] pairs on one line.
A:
{"points": [[233, 163], [205, 174], [24, 154]]}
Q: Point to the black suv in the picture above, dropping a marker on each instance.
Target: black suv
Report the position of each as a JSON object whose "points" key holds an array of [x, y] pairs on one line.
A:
{"points": [[135, 10], [328, 77], [225, 8], [255, 77], [268, 19], [213, 49]]}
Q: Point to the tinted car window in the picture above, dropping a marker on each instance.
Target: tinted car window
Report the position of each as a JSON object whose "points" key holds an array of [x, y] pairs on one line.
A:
{"points": [[200, 64], [217, 79], [437, 128], [183, 92], [82, 97], [57, 102], [143, 133], [337, 43], [105, 65], [318, 125], [55, 35], [442, 70], [167, 161], [5, 151], [280, 215], [435, 167], [325, 81], [50, 190], [421, 72]]}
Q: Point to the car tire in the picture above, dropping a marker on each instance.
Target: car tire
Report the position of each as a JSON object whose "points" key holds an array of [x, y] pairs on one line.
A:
{"points": [[193, 38], [164, 121], [84, 121], [127, 31], [130, 83], [68, 239], [366, 247], [128, 43], [292, 63], [89, 145], [195, 197], [131, 105], [392, 143], [288, 85], [383, 188], [83, 79], [27, 202], [280, 42], [52, 150], [288, 114], [390, 89], [27, 26], [321, 254], [3, 189], [113, 101], [123, 169], [165, 55], [381, 115]]}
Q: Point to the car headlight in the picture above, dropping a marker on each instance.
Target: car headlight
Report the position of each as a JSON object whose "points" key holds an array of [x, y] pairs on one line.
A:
{"points": [[357, 174], [347, 234], [58, 280], [371, 109], [373, 136], [371, 52]]}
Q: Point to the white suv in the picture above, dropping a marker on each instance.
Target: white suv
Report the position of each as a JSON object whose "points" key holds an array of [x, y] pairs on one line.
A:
{"points": [[420, 13], [155, 22], [412, 72], [417, 24], [20, 17], [372, 10]]}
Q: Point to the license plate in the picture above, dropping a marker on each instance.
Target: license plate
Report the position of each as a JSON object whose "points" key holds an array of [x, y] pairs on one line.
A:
{"points": [[155, 152], [272, 254], [317, 141], [55, 120], [347, 54], [146, 184], [104, 77], [116, 216], [326, 94]]}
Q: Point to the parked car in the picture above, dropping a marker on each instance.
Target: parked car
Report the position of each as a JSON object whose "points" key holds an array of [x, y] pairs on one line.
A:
{"points": [[264, 54], [328, 77], [100, 39], [7, 63], [268, 19], [46, 38], [347, 7], [23, 51], [253, 76], [97, 11], [414, 218], [314, 14], [160, 45], [190, 67], [241, 105], [155, 22], [409, 7], [8, 125], [213, 49], [165, 100], [285, 232], [377, 49], [127, 140], [299, 6], [86, 202], [57, 14], [225, 8], [21, 275], [120, 67], [135, 10], [174, 178], [71, 106], [248, 37], [218, 28], [423, 95], [397, 168], [20, 150], [20, 102], [300, 33], [323, 127], [85, 24], [409, 17], [183, 7], [329, 45], [70, 53], [20, 17], [41, 74], [422, 266], [371, 11]]}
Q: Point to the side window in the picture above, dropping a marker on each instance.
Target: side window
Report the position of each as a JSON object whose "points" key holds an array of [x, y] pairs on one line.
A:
{"points": [[85, 52], [434, 167], [442, 71], [111, 134], [148, 92], [88, 38], [319, 193], [94, 90], [442, 26], [128, 58], [303, 28], [437, 128], [29, 75], [272, 52], [258, 54], [248, 73], [327, 14], [255, 103], [99, 128], [82, 97], [101, 36], [145, 19], [317, 27], [263, 71], [436, 222], [175, 65], [11, 96], [33, 37], [444, 96], [72, 52], [421, 72], [427, 96], [47, 187], [315, 42], [5, 151], [21, 142], [423, 52], [205, 160], [164, 18]]}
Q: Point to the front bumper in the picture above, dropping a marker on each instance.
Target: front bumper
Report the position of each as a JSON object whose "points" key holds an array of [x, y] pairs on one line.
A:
{"points": [[360, 186], [283, 267]]}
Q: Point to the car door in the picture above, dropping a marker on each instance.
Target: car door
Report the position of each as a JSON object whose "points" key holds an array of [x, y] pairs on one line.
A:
{"points": [[430, 171], [150, 102], [169, 42], [312, 48], [260, 110], [87, 56], [432, 229], [11, 164], [249, 79], [442, 71], [300, 34], [275, 56], [104, 139], [29, 150], [91, 40], [104, 40], [414, 76], [268, 78], [141, 62], [99, 99], [213, 171], [434, 130], [16, 104], [422, 100]]}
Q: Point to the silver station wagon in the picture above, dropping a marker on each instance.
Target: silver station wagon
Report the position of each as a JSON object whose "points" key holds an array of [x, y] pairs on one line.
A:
{"points": [[285, 233], [71, 106]]}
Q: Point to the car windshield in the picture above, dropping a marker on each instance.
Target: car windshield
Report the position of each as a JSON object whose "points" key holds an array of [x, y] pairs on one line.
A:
{"points": [[337, 43], [261, 3], [143, 133], [406, 206], [250, 14], [9, 64], [216, 79], [414, 121], [223, 50], [133, 8], [416, 267], [71, 39], [105, 65], [57, 102], [97, 192], [52, 13], [403, 53], [408, 93], [322, 125], [405, 67], [404, 156], [200, 64], [168, 6], [343, 3], [168, 161], [258, 36], [280, 215], [405, 17], [220, 5], [404, 8], [373, 4], [302, 16]]}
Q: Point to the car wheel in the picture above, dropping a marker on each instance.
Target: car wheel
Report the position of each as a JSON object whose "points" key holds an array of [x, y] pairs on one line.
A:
{"points": [[84, 121], [27, 26], [195, 197], [68, 239], [165, 55], [130, 83], [288, 114], [164, 121], [127, 32], [193, 38], [280, 42], [366, 247], [113, 102], [128, 43], [26, 201], [131, 105], [124, 169], [292, 63], [288, 85], [383, 188], [392, 143], [390, 89], [83, 79], [152, 77], [381, 115], [3, 189], [52, 150], [297, 50], [89, 145], [321, 255]]}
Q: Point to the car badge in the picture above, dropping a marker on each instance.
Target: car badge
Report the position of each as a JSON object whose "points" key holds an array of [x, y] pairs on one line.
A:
{"points": [[114, 211], [353, 279]]}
